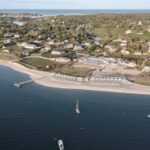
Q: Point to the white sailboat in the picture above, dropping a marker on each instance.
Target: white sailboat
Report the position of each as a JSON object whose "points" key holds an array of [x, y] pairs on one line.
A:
{"points": [[148, 116], [61, 144], [77, 108]]}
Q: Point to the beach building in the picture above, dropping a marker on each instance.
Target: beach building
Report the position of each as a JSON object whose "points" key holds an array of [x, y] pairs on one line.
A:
{"points": [[61, 59]]}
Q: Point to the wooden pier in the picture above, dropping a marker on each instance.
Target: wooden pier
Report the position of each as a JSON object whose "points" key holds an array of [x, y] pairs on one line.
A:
{"points": [[21, 84]]}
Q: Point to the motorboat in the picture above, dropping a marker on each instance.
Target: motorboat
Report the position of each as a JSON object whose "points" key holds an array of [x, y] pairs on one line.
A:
{"points": [[61, 144], [77, 108]]}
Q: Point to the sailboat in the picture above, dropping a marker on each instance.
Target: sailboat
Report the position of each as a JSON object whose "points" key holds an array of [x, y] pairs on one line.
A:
{"points": [[77, 108]]}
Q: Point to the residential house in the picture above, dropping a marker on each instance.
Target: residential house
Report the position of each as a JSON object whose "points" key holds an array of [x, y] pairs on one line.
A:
{"points": [[146, 69], [17, 36], [111, 48], [6, 51], [78, 47], [28, 46], [140, 23], [69, 46], [45, 49], [87, 44], [132, 64], [57, 52], [148, 47], [137, 53], [51, 42], [128, 32], [8, 34], [125, 52]]}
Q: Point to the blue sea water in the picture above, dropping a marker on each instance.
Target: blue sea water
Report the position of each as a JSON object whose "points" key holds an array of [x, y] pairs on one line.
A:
{"points": [[54, 12], [33, 116]]}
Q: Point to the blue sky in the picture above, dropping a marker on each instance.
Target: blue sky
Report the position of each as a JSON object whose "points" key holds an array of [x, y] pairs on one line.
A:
{"points": [[75, 4]]}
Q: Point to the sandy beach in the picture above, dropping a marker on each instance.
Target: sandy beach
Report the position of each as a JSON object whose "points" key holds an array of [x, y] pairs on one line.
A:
{"points": [[43, 78]]}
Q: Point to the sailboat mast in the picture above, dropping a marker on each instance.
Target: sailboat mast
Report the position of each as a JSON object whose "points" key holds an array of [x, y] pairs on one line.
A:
{"points": [[77, 106]]}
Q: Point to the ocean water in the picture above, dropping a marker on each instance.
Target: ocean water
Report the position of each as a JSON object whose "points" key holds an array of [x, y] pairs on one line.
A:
{"points": [[33, 117], [54, 12]]}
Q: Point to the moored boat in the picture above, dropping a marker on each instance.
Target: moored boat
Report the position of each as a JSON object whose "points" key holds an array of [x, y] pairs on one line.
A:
{"points": [[77, 108], [61, 144], [148, 116]]}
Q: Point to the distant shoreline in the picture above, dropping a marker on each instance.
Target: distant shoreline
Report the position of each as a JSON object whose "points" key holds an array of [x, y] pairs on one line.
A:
{"points": [[68, 12], [35, 74]]}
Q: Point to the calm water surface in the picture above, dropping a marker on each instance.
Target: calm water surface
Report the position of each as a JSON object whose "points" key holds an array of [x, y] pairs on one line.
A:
{"points": [[33, 116], [54, 12]]}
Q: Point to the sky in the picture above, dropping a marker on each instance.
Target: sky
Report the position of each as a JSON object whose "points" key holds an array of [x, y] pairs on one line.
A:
{"points": [[74, 4]]}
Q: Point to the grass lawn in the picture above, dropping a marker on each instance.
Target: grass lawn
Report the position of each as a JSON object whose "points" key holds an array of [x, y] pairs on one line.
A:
{"points": [[66, 69], [104, 32], [143, 79], [77, 72]]}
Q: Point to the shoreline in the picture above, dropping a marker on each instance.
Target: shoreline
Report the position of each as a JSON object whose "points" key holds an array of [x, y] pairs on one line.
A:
{"points": [[74, 12], [35, 74]]}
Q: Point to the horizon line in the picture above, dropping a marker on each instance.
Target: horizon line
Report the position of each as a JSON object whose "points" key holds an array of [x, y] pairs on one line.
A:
{"points": [[74, 9]]}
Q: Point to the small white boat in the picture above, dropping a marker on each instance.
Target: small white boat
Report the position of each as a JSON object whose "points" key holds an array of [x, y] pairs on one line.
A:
{"points": [[77, 108], [61, 144], [148, 116]]}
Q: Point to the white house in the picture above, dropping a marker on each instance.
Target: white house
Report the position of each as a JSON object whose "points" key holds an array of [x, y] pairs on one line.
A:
{"points": [[45, 49], [148, 30], [110, 48], [137, 53], [78, 47], [123, 44], [124, 51], [53, 20], [37, 42], [148, 47], [69, 46], [146, 69], [56, 52], [139, 33], [6, 51], [7, 41], [140, 23], [17, 36], [128, 32], [28, 46], [51, 42], [87, 44], [132, 65], [8, 34]]}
